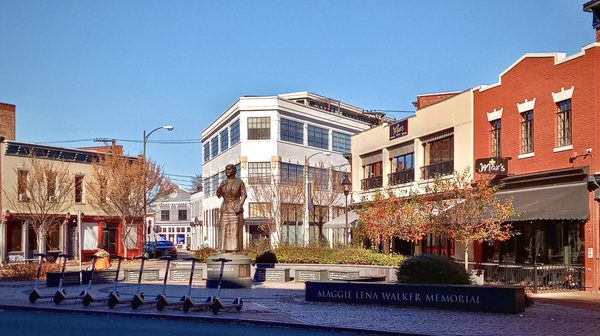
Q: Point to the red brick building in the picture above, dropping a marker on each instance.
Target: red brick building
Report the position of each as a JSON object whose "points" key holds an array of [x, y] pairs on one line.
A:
{"points": [[541, 121]]}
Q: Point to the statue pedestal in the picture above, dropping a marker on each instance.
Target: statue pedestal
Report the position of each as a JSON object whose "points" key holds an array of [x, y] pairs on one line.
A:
{"points": [[236, 273]]}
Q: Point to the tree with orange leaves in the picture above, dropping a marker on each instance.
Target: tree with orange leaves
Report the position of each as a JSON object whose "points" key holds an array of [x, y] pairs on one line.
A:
{"points": [[116, 188]]}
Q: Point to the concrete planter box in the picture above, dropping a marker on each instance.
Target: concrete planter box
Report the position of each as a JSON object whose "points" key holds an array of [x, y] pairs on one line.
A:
{"points": [[106, 276], [491, 299], [70, 279]]}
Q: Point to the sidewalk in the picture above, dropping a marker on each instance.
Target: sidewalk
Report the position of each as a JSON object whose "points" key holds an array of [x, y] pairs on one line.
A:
{"points": [[583, 300]]}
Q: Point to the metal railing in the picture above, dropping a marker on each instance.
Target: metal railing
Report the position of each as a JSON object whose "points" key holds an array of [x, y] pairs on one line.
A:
{"points": [[371, 183], [400, 177], [440, 168], [544, 278]]}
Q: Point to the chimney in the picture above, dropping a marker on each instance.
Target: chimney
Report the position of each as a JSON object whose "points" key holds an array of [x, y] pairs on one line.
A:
{"points": [[594, 7]]}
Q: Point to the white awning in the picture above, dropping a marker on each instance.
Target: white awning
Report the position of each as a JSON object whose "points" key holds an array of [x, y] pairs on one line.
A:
{"points": [[340, 221]]}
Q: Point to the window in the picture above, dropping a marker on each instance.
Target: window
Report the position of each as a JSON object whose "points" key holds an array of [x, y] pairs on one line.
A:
{"points": [[214, 147], [259, 172], [51, 186], [224, 137], [259, 128], [402, 169], [318, 137], [319, 177], [289, 172], [291, 131], [78, 189], [564, 123], [341, 142], [164, 215], [373, 169], [182, 215], [206, 187], [527, 132], [495, 137], [259, 210], [22, 185], [439, 158], [234, 131], [206, 151], [214, 184]]}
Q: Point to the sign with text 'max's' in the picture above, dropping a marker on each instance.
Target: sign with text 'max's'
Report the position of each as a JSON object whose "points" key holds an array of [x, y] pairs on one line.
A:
{"points": [[399, 129], [495, 166]]}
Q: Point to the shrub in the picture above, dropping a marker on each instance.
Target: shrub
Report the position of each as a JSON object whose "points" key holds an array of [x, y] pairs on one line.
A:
{"points": [[258, 247], [267, 257], [25, 271], [203, 253], [432, 269]]}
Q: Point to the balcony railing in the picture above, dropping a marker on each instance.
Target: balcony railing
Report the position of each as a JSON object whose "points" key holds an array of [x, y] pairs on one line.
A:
{"points": [[440, 168], [371, 182], [400, 177]]}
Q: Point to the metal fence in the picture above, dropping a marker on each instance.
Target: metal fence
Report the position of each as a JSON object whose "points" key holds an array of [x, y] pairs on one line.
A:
{"points": [[544, 278]]}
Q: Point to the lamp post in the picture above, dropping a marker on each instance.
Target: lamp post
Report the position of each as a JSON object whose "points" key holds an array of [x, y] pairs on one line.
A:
{"points": [[146, 136], [346, 184], [305, 225]]}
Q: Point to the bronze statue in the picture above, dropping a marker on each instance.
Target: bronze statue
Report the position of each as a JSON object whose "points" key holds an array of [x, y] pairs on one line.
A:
{"points": [[231, 222]]}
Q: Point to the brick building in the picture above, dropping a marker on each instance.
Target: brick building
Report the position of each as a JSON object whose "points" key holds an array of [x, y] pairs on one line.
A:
{"points": [[7, 121], [540, 121]]}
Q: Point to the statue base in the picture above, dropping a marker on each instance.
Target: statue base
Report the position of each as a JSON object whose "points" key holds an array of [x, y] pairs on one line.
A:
{"points": [[236, 273]]}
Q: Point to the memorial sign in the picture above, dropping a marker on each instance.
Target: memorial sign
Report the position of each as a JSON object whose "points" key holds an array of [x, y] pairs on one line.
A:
{"points": [[277, 274], [306, 275], [492, 299], [149, 274], [343, 275], [184, 274]]}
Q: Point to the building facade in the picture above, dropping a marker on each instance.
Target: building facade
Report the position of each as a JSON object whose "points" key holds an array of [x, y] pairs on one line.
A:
{"points": [[172, 217], [540, 121], [83, 228], [199, 231], [403, 156], [281, 140]]}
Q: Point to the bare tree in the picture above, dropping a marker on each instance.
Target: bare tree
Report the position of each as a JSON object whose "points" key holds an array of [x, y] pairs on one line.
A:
{"points": [[116, 188], [327, 193], [42, 196]]}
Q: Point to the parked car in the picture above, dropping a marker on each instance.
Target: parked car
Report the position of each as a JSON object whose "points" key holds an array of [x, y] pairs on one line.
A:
{"points": [[155, 249]]}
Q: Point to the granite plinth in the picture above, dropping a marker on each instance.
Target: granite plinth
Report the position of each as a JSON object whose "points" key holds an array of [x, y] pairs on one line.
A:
{"points": [[236, 273]]}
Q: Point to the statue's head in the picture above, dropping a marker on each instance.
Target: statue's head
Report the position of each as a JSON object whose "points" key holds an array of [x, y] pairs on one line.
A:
{"points": [[230, 170]]}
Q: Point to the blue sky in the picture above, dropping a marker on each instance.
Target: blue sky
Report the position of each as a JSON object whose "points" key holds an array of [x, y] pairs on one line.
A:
{"points": [[86, 69]]}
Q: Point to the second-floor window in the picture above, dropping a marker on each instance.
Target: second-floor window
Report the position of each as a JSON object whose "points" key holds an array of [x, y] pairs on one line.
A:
{"points": [[78, 189], [214, 147], [402, 169], [318, 137], [291, 131], [206, 151], [224, 138], [341, 142], [564, 123], [182, 215], [527, 132], [372, 173], [164, 215], [234, 131], [259, 128], [22, 185], [439, 158], [495, 138], [290, 173], [259, 172]]}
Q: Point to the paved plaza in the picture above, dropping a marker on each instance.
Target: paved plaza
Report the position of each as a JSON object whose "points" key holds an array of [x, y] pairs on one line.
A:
{"points": [[556, 314]]}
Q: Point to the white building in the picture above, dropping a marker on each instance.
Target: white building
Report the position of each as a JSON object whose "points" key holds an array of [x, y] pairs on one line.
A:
{"points": [[275, 137], [172, 218]]}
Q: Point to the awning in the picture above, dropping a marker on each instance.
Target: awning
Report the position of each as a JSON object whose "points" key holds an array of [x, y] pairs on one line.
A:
{"points": [[560, 201], [340, 221]]}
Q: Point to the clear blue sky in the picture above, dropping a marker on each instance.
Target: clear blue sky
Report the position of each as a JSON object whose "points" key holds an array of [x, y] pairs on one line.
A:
{"points": [[86, 69]]}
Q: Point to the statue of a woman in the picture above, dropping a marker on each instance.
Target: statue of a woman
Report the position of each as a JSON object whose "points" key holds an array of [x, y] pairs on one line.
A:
{"points": [[231, 223]]}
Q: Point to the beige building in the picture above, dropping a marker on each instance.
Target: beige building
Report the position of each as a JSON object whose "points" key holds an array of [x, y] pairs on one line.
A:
{"points": [[81, 224], [404, 155]]}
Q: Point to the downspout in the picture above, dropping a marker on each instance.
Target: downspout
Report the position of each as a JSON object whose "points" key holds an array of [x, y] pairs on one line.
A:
{"points": [[2, 224]]}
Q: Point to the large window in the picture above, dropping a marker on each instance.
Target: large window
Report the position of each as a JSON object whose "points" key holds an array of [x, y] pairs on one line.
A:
{"points": [[402, 169], [291, 131], [78, 189], [527, 132], [291, 173], [372, 173], [318, 137], [206, 151], [214, 184], [206, 188], [495, 137], [224, 138], [259, 128], [439, 158], [341, 142], [564, 123], [234, 131], [259, 210], [214, 147], [164, 215], [182, 215], [259, 172], [22, 185]]}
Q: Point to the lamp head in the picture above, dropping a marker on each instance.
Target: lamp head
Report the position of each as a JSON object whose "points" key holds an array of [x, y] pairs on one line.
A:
{"points": [[168, 127], [346, 184]]}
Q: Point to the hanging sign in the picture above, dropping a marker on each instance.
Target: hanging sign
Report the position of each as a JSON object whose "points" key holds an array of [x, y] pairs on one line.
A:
{"points": [[399, 129], [496, 166]]}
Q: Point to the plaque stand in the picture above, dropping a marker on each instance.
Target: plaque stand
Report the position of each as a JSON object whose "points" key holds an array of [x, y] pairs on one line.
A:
{"points": [[236, 273]]}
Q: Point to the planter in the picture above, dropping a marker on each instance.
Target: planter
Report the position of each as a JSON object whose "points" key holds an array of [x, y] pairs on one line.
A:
{"points": [[491, 299], [70, 279]]}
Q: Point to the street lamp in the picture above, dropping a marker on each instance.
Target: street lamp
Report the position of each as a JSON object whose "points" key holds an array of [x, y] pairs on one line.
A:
{"points": [[347, 185], [146, 136], [305, 225]]}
